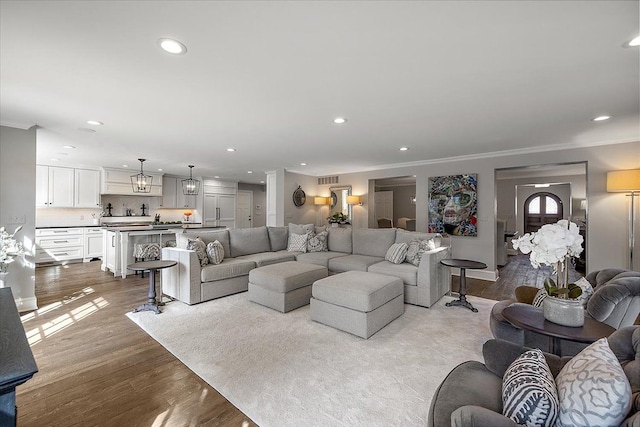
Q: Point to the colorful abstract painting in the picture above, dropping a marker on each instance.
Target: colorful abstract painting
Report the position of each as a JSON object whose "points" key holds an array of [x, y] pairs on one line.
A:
{"points": [[453, 205]]}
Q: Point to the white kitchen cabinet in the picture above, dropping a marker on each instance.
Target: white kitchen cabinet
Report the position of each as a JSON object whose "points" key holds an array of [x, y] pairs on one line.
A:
{"points": [[54, 186], [219, 210], [87, 188], [118, 247], [173, 196], [92, 243], [59, 244], [118, 182]]}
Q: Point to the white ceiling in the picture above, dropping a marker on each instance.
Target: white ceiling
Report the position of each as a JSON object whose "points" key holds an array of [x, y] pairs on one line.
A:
{"points": [[446, 79]]}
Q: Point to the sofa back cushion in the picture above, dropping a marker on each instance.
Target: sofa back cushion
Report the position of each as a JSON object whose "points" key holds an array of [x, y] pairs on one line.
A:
{"points": [[247, 241], [373, 241], [403, 236], [301, 228], [221, 236], [278, 238], [340, 240]]}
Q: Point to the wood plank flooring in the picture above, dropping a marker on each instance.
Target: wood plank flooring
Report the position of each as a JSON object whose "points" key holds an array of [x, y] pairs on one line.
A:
{"points": [[98, 368]]}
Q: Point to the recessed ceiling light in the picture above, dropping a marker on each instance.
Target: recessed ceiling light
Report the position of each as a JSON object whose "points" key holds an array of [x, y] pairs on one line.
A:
{"points": [[404, 148], [249, 171], [160, 170], [55, 160], [68, 146], [633, 43], [89, 130], [94, 122], [172, 46], [339, 120], [125, 166], [542, 185], [261, 182], [216, 177], [62, 154], [601, 118], [231, 150], [303, 164]]}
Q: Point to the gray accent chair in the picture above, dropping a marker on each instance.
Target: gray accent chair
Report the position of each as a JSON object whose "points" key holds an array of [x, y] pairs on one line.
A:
{"points": [[615, 301], [471, 394]]}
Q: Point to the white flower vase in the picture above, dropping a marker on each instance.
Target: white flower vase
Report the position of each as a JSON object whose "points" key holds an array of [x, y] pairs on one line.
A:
{"points": [[335, 225], [565, 312]]}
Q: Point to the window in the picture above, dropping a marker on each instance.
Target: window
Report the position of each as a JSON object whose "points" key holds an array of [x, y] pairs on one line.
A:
{"points": [[541, 209]]}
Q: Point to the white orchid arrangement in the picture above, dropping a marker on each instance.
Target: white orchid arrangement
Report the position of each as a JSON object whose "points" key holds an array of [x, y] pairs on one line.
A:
{"points": [[553, 245], [9, 247]]}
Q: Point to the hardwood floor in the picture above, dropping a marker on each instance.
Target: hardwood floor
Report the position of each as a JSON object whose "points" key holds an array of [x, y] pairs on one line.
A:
{"points": [[98, 368]]}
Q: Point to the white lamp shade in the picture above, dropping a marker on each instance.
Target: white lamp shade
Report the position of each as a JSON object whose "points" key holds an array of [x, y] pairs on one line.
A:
{"points": [[353, 200], [626, 181], [319, 200]]}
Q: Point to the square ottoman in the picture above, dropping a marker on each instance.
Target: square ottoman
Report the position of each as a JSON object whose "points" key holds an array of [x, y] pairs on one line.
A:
{"points": [[357, 302], [284, 286]]}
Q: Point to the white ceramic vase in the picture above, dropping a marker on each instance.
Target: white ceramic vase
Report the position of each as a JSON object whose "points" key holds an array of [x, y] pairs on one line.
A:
{"points": [[565, 312]]}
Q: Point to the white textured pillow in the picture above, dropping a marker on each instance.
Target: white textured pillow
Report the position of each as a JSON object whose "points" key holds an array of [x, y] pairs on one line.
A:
{"points": [[417, 248], [539, 298], [587, 290], [215, 252], [318, 243], [529, 395], [298, 242], [593, 389], [201, 250], [397, 253]]}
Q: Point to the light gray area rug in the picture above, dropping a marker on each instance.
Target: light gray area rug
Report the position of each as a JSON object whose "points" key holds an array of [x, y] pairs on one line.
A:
{"points": [[286, 370]]}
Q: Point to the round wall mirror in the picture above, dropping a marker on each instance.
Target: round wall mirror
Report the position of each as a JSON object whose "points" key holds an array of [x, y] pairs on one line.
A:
{"points": [[299, 197]]}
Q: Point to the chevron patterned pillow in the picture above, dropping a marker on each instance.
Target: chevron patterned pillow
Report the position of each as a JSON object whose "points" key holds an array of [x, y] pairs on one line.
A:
{"points": [[529, 393]]}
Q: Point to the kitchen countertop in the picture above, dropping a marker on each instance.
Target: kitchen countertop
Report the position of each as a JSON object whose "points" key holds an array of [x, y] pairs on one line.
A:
{"points": [[67, 226]]}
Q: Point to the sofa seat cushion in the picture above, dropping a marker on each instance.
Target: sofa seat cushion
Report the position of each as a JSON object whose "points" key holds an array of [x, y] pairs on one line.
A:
{"points": [[405, 271], [286, 276], [268, 258], [353, 263], [318, 258], [230, 267], [358, 290]]}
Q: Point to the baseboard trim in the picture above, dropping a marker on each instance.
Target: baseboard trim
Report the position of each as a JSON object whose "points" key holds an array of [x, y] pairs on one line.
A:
{"points": [[26, 304], [489, 275]]}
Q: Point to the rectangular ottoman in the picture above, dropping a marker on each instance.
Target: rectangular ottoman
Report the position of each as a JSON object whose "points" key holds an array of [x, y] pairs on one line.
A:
{"points": [[357, 302], [284, 286]]}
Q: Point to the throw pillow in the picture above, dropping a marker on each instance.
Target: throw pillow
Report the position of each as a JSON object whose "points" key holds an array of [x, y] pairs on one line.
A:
{"points": [[587, 290], [417, 248], [529, 395], [539, 298], [318, 243], [201, 250], [215, 252], [298, 242], [593, 389], [397, 253]]}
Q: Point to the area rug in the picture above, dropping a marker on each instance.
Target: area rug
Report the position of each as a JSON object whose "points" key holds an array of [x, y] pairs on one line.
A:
{"points": [[286, 370]]}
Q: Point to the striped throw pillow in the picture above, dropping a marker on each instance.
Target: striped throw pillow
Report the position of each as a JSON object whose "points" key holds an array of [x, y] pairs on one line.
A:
{"points": [[539, 298], [397, 253], [529, 394], [215, 252]]}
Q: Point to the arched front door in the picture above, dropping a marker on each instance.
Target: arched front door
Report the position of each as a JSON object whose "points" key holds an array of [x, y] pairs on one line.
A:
{"points": [[540, 209]]}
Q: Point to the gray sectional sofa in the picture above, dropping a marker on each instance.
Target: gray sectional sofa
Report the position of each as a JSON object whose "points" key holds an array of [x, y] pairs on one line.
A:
{"points": [[348, 250]]}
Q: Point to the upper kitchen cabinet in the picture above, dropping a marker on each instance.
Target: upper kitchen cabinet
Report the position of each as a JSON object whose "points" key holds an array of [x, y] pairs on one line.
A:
{"points": [[87, 188], [173, 196], [60, 187], [54, 186], [118, 182]]}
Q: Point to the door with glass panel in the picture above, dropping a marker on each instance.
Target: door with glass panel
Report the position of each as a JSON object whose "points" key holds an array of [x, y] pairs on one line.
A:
{"points": [[540, 209]]}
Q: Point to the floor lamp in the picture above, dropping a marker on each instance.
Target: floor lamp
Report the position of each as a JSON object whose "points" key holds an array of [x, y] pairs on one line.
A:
{"points": [[626, 181]]}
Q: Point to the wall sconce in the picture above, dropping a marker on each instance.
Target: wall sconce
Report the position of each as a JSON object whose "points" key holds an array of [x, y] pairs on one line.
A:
{"points": [[354, 200], [627, 181], [412, 199], [320, 200]]}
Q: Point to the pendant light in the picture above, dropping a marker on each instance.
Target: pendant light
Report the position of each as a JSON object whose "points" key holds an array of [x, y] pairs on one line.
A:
{"points": [[190, 186], [141, 183]]}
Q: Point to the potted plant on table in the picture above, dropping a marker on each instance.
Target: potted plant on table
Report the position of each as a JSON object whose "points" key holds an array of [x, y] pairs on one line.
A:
{"points": [[554, 245], [9, 249], [338, 218]]}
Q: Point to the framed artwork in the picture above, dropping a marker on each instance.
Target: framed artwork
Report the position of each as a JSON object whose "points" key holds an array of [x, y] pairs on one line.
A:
{"points": [[453, 205]]}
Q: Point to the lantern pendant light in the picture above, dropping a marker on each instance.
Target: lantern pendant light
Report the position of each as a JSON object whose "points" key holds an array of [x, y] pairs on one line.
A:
{"points": [[141, 183], [190, 186]]}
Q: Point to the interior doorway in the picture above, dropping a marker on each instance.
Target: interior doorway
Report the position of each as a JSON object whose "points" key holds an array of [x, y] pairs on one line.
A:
{"points": [[243, 209]]}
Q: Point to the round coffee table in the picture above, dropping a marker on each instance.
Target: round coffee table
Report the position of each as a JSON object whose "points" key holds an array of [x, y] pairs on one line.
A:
{"points": [[151, 266], [463, 264], [530, 318]]}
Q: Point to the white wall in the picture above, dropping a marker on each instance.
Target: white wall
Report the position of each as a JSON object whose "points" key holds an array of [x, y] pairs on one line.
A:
{"points": [[17, 198], [307, 213], [608, 212]]}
